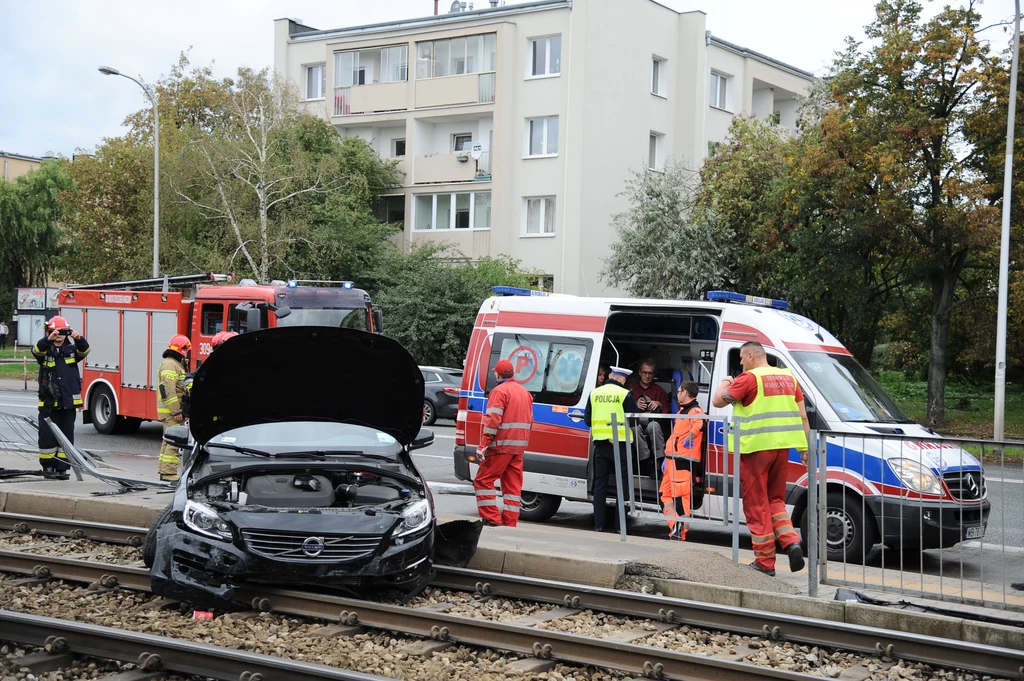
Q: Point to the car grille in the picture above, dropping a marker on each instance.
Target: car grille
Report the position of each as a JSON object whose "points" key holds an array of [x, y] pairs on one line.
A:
{"points": [[289, 546], [966, 485]]}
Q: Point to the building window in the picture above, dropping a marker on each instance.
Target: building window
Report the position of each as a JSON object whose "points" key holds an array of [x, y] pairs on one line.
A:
{"points": [[546, 56], [540, 215], [543, 282], [398, 148], [658, 76], [316, 81], [463, 210], [389, 209], [462, 142], [377, 65], [542, 136], [719, 91], [655, 151], [457, 56]]}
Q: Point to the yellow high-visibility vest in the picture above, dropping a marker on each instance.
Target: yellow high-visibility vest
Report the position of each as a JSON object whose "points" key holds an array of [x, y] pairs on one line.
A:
{"points": [[771, 421], [605, 401]]}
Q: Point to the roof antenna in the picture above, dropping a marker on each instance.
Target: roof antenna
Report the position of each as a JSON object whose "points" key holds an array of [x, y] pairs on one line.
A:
{"points": [[818, 334]]}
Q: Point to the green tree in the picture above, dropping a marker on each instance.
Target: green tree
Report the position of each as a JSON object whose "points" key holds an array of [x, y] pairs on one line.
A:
{"points": [[664, 249]]}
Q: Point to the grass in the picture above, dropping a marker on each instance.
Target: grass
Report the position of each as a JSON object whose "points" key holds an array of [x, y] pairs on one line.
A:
{"points": [[969, 408]]}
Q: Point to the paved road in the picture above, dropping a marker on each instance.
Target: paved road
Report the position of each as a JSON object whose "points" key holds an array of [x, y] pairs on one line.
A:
{"points": [[996, 556]]}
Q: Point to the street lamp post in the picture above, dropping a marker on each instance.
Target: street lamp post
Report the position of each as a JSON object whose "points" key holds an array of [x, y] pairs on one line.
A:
{"points": [[151, 94]]}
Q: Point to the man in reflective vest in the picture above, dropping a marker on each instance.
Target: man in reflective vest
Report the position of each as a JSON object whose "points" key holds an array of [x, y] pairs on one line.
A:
{"points": [[682, 454], [768, 405], [610, 398], [169, 394], [60, 391], [506, 433]]}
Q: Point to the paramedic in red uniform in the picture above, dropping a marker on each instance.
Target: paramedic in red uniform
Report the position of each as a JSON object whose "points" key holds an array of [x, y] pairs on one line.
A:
{"points": [[506, 432], [682, 452], [769, 407]]}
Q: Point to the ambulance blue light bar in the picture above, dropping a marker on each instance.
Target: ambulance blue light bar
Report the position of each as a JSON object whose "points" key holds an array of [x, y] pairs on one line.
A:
{"points": [[516, 291], [733, 297]]}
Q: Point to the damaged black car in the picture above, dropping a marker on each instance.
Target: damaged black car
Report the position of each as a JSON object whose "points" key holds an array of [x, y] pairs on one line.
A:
{"points": [[300, 472]]}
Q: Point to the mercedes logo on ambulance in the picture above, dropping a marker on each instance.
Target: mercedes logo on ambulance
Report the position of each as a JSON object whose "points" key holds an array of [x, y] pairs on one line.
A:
{"points": [[972, 485], [313, 546]]}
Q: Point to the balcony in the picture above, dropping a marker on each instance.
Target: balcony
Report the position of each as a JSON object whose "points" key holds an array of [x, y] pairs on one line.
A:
{"points": [[359, 99], [471, 88], [459, 166]]}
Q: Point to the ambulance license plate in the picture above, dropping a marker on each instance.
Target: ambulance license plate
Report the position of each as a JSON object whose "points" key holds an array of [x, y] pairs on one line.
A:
{"points": [[974, 532]]}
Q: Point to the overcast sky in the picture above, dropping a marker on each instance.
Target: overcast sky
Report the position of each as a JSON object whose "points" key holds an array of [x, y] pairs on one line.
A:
{"points": [[53, 100]]}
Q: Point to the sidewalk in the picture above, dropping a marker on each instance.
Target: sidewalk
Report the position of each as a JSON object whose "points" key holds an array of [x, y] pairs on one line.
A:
{"points": [[699, 572]]}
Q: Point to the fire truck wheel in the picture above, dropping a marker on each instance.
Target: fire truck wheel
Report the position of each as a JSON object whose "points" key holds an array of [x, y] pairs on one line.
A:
{"points": [[103, 410], [538, 507]]}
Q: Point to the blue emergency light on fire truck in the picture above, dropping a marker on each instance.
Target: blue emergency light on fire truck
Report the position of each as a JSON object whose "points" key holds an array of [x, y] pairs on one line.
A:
{"points": [[901, 492], [128, 324]]}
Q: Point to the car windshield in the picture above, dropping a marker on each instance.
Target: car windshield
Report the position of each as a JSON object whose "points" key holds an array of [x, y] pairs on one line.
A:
{"points": [[849, 389], [357, 318], [305, 436]]}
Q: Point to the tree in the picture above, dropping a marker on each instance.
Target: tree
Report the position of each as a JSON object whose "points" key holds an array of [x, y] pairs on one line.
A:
{"points": [[664, 250]]}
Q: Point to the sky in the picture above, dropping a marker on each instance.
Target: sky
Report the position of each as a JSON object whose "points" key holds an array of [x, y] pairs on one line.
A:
{"points": [[54, 101]]}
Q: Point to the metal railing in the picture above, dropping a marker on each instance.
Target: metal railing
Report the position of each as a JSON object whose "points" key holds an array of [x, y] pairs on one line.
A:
{"points": [[342, 101], [956, 535]]}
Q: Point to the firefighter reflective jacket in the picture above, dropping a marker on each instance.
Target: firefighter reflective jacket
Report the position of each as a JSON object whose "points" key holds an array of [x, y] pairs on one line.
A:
{"points": [[772, 420], [605, 400], [687, 439], [60, 383], [170, 389], [509, 418]]}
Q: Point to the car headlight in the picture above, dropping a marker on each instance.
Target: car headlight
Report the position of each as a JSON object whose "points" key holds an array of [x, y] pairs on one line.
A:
{"points": [[204, 520], [415, 518], [915, 476]]}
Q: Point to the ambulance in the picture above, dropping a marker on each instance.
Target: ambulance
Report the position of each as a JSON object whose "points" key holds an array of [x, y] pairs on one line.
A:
{"points": [[128, 324], [883, 485]]}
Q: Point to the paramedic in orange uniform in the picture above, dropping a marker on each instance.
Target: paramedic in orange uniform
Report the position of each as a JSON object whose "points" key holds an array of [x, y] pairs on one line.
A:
{"points": [[769, 407], [682, 453], [506, 432]]}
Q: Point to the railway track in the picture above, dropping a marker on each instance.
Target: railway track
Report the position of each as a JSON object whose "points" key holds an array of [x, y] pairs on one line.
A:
{"points": [[538, 635]]}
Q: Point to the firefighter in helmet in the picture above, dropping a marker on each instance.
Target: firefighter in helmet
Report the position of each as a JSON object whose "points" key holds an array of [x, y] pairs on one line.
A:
{"points": [[170, 391], [218, 340], [60, 391]]}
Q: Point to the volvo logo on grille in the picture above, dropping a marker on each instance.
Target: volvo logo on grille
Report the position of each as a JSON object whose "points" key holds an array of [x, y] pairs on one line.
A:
{"points": [[972, 485], [313, 546]]}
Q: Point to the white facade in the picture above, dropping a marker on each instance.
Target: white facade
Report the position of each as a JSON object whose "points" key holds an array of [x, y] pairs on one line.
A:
{"points": [[517, 126]]}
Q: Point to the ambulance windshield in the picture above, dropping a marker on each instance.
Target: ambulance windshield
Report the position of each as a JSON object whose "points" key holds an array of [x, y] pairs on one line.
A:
{"points": [[849, 389], [357, 318]]}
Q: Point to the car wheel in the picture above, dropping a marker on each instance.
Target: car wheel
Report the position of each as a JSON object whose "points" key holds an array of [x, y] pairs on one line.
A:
{"points": [[429, 413], [538, 507], [149, 544], [103, 410], [849, 536]]}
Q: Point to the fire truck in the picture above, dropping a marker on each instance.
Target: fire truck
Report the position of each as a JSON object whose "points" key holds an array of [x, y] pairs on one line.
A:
{"points": [[128, 324]]}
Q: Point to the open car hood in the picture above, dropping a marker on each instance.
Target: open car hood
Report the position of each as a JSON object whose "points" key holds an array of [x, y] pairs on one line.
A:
{"points": [[308, 373]]}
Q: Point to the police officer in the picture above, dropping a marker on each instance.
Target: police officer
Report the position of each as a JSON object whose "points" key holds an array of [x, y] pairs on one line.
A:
{"points": [[769, 406], [60, 391], [683, 453], [506, 433], [170, 391], [610, 398]]}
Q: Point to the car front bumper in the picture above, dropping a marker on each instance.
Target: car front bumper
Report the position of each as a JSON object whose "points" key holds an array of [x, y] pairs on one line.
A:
{"points": [[211, 573], [928, 525]]}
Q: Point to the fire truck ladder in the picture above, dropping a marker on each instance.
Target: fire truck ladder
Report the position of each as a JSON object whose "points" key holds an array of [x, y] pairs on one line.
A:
{"points": [[165, 282]]}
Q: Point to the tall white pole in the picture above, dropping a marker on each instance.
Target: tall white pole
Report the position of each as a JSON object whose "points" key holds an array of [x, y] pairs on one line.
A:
{"points": [[156, 187], [1004, 243]]}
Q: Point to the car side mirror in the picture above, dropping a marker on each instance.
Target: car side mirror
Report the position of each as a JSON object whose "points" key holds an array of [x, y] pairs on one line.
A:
{"points": [[424, 438], [177, 436], [283, 311], [378, 321]]}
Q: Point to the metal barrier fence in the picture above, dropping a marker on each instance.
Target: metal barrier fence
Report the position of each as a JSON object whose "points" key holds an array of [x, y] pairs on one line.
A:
{"points": [[957, 536], [721, 463]]}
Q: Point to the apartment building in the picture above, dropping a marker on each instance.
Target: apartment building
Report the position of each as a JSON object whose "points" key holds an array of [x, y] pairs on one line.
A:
{"points": [[517, 126], [15, 165]]}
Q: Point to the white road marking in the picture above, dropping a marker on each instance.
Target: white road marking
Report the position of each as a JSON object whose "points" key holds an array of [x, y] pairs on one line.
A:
{"points": [[433, 456], [973, 544], [1015, 482], [446, 437]]}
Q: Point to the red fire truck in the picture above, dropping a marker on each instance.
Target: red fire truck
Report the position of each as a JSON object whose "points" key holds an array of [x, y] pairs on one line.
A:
{"points": [[128, 324]]}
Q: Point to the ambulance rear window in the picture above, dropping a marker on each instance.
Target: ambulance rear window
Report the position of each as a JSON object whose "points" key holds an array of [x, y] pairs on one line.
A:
{"points": [[552, 368]]}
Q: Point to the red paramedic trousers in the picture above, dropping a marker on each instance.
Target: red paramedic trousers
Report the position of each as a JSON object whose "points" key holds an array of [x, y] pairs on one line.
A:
{"points": [[763, 489], [509, 469]]}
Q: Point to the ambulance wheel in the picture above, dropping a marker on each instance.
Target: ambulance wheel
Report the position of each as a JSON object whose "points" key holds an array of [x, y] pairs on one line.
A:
{"points": [[429, 413], [538, 507], [849, 536], [149, 543], [103, 410]]}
